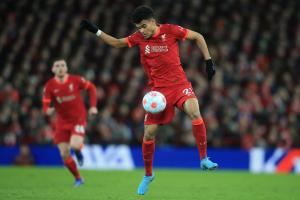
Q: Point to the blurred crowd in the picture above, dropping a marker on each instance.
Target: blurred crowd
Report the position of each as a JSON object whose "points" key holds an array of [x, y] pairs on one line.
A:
{"points": [[254, 99]]}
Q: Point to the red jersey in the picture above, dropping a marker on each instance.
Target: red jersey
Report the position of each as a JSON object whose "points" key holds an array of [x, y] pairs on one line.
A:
{"points": [[160, 55], [67, 99]]}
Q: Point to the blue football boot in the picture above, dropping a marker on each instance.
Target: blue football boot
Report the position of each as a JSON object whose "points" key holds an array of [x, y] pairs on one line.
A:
{"points": [[207, 164], [78, 182], [144, 185]]}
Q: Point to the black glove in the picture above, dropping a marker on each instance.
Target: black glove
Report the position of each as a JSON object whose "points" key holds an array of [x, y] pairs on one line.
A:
{"points": [[210, 69], [86, 24]]}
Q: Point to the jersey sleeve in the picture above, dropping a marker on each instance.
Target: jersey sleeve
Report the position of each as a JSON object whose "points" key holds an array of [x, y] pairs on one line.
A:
{"points": [[87, 85], [47, 97], [82, 82], [133, 39], [179, 32]]}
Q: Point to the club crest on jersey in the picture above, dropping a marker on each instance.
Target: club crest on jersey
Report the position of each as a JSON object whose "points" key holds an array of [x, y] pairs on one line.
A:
{"points": [[71, 87]]}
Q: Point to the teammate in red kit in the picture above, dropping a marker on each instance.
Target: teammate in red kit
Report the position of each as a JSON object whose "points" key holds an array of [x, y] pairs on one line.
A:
{"points": [[64, 91], [159, 53]]}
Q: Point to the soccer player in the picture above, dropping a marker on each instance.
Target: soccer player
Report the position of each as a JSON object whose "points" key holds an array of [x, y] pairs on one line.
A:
{"points": [[64, 91], [159, 53]]}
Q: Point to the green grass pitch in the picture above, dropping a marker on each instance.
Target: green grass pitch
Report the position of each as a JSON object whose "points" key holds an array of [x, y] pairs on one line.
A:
{"points": [[56, 184]]}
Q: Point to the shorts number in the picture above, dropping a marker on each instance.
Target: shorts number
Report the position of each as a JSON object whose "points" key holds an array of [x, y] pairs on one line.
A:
{"points": [[188, 91], [79, 129]]}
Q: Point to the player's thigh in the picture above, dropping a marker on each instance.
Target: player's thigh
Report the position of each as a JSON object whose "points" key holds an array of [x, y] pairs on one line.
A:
{"points": [[64, 149], [77, 136], [161, 118], [76, 141], [191, 108], [150, 131]]}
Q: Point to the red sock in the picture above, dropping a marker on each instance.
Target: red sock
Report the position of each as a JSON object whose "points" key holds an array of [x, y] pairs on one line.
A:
{"points": [[148, 151], [71, 165], [199, 132]]}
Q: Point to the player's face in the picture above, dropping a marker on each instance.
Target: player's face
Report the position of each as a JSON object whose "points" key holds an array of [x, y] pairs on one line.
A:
{"points": [[60, 68], [147, 27]]}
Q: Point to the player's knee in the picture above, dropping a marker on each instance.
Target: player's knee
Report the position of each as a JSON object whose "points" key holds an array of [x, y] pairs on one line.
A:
{"points": [[149, 136], [64, 153], [150, 132], [194, 115], [75, 145]]}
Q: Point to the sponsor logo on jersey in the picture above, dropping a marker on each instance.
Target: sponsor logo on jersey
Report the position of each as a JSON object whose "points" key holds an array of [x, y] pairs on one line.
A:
{"points": [[65, 98], [156, 49]]}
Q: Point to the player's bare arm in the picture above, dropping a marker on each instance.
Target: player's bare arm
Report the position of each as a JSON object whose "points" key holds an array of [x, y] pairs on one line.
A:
{"points": [[108, 39], [201, 43], [192, 35]]}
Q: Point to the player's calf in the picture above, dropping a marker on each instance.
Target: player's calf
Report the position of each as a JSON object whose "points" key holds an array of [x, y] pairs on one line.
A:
{"points": [[79, 156]]}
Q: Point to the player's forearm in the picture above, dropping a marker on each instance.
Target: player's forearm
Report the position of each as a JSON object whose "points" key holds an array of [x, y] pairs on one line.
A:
{"points": [[92, 95], [46, 105], [200, 41], [112, 41], [202, 46]]}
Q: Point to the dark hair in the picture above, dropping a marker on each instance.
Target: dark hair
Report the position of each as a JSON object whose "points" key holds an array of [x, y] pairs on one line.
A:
{"points": [[58, 58], [141, 13]]}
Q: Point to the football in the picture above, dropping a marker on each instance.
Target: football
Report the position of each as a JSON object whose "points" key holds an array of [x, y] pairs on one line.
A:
{"points": [[154, 102]]}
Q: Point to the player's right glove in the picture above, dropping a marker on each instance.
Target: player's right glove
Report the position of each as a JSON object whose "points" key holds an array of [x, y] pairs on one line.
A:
{"points": [[86, 24], [210, 69]]}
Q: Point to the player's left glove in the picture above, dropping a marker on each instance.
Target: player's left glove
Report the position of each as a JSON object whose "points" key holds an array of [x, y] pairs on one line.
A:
{"points": [[86, 24], [210, 69]]}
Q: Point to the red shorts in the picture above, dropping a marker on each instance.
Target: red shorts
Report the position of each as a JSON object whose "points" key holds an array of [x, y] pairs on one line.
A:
{"points": [[175, 96], [63, 134]]}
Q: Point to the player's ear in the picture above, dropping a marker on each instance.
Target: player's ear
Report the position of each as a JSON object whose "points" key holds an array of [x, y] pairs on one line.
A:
{"points": [[52, 69]]}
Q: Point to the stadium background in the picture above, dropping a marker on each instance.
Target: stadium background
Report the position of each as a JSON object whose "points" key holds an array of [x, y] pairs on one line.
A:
{"points": [[253, 101]]}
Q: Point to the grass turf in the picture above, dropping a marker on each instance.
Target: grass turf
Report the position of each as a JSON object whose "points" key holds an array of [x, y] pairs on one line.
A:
{"points": [[56, 184]]}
